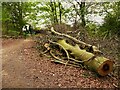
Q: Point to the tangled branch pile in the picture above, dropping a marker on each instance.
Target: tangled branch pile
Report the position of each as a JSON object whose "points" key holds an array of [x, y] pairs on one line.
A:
{"points": [[68, 50]]}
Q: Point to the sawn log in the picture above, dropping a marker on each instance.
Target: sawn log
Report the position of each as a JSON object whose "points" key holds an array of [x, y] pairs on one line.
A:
{"points": [[99, 64]]}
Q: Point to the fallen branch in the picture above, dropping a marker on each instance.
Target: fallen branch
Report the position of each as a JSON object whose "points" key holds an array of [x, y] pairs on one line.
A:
{"points": [[94, 49], [59, 60], [61, 47]]}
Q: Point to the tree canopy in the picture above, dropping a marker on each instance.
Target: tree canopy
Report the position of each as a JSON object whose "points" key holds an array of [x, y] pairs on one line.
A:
{"points": [[16, 14]]}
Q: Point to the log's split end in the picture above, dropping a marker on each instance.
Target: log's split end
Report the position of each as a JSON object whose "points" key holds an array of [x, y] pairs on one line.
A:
{"points": [[105, 68]]}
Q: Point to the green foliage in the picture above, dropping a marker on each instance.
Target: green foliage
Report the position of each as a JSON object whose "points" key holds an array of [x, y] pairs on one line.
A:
{"points": [[111, 24], [17, 14], [45, 8], [53, 12], [13, 15], [13, 33], [10, 15], [92, 29]]}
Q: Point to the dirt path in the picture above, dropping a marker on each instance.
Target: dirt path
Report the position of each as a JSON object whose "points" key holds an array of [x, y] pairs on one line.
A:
{"points": [[22, 67], [17, 64]]}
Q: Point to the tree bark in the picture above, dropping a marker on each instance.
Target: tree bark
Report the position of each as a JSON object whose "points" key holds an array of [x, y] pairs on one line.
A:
{"points": [[82, 12], [60, 12], [52, 9], [20, 17], [55, 11]]}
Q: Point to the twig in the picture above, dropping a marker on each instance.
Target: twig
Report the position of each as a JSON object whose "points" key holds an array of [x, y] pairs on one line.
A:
{"points": [[63, 49], [54, 56], [68, 36], [61, 61]]}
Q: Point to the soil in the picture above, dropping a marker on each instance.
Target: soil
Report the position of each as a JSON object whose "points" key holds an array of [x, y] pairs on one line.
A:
{"points": [[24, 67]]}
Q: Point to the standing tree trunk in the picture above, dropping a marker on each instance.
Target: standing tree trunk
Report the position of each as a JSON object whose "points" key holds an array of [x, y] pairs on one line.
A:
{"points": [[52, 9], [82, 12], [20, 17], [60, 12], [77, 13], [82, 7], [55, 12]]}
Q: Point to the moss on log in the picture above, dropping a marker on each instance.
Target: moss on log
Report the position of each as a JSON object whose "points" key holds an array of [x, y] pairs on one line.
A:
{"points": [[101, 65]]}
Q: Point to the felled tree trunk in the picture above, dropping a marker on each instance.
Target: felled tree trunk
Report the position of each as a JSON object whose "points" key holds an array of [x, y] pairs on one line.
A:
{"points": [[101, 65], [82, 44]]}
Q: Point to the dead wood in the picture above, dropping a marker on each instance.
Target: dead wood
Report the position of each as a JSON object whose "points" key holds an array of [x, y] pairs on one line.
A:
{"points": [[81, 55], [83, 45]]}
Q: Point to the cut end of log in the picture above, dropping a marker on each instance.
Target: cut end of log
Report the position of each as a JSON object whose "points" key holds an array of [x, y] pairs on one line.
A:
{"points": [[105, 68]]}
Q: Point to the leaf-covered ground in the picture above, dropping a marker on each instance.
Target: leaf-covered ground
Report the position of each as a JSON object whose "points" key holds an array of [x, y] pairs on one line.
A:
{"points": [[24, 67]]}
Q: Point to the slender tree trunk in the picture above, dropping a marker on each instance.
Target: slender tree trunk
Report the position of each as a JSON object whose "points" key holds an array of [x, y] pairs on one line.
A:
{"points": [[20, 17], [7, 27], [82, 12], [52, 9], [82, 9], [60, 12], [55, 11], [77, 13]]}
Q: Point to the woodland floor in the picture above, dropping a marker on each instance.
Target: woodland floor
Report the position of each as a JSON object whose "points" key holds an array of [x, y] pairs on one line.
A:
{"points": [[24, 67]]}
